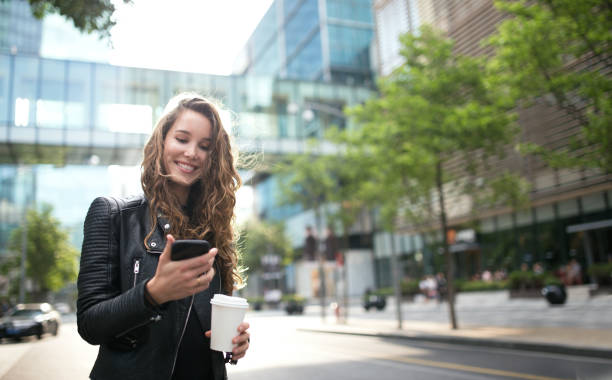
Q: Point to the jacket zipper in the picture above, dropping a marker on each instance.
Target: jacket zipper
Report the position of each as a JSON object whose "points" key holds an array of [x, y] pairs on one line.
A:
{"points": [[136, 270], [182, 333]]}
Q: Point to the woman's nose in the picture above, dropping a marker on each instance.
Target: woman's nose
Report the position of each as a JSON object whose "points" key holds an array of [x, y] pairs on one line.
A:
{"points": [[191, 151]]}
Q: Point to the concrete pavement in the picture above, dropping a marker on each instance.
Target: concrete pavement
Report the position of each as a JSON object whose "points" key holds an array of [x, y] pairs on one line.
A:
{"points": [[583, 326]]}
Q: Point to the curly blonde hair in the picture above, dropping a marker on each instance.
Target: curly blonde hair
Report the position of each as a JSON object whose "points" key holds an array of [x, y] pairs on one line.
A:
{"points": [[212, 197]]}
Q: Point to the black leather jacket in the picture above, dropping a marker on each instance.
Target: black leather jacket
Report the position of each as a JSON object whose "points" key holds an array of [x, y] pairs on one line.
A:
{"points": [[137, 340]]}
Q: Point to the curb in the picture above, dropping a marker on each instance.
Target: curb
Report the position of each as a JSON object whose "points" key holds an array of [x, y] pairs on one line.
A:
{"points": [[495, 343]]}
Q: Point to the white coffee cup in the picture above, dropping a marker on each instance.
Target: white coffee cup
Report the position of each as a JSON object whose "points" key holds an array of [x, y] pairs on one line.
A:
{"points": [[227, 314]]}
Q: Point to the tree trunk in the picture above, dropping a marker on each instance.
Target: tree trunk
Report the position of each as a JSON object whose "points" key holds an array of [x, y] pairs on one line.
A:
{"points": [[450, 263], [397, 288], [344, 273], [319, 255]]}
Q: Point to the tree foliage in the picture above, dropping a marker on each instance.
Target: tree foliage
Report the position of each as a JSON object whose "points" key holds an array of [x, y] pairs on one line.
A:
{"points": [[438, 106], [260, 238], [51, 261], [87, 15], [313, 180], [559, 52]]}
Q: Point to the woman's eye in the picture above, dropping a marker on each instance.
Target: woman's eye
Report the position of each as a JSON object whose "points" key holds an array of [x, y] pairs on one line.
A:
{"points": [[204, 147], [181, 140]]}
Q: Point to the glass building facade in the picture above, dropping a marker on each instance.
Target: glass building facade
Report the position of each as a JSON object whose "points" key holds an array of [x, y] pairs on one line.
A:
{"points": [[84, 116], [20, 32], [325, 40]]}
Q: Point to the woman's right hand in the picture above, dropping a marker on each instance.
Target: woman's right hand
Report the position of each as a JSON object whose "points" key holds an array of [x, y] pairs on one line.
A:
{"points": [[174, 280]]}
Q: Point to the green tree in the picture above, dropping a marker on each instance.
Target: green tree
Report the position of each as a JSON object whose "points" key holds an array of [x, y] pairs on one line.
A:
{"points": [[51, 261], [437, 107], [376, 180], [558, 52], [259, 238], [87, 15], [327, 183], [305, 181]]}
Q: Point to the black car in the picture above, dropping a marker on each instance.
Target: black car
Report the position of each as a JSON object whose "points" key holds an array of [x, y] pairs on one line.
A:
{"points": [[374, 301], [31, 319]]}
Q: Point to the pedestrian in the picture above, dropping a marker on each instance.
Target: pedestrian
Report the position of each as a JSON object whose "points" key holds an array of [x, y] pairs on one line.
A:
{"points": [[441, 286], [310, 244], [574, 272], [150, 314]]}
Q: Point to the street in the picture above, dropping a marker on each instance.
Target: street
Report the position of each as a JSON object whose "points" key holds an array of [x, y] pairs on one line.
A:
{"points": [[279, 350]]}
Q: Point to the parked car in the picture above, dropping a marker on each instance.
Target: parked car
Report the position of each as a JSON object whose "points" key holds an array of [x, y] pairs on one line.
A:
{"points": [[372, 300], [31, 319]]}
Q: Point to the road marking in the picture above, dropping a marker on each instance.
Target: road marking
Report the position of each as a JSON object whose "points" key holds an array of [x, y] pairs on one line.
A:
{"points": [[516, 352], [469, 368]]}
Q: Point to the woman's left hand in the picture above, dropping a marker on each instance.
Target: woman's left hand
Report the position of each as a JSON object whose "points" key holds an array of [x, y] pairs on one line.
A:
{"points": [[241, 341]]}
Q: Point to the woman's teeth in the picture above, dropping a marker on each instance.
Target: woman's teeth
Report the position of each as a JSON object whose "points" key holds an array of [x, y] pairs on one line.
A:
{"points": [[185, 166]]}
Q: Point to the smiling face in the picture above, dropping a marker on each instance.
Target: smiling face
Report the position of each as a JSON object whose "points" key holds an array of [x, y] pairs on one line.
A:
{"points": [[186, 149]]}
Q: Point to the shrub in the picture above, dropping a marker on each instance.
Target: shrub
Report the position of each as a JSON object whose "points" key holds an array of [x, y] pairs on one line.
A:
{"points": [[528, 280], [479, 285], [294, 298], [602, 273], [408, 288]]}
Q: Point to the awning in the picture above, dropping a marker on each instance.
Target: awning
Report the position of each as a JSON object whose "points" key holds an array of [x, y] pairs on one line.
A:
{"points": [[462, 247], [589, 226]]}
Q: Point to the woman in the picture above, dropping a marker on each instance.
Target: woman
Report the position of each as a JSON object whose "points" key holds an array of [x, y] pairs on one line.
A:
{"points": [[147, 312]]}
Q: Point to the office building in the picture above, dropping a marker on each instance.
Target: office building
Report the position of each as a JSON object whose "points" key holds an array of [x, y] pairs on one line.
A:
{"points": [[321, 40], [84, 116], [570, 213], [20, 32]]}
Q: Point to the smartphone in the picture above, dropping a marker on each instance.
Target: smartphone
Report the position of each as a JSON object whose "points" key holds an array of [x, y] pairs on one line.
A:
{"points": [[186, 249]]}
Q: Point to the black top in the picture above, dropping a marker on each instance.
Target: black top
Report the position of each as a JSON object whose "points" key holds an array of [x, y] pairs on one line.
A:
{"points": [[193, 360]]}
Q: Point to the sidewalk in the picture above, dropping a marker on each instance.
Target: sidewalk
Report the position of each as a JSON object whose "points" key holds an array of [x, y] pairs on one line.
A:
{"points": [[583, 326]]}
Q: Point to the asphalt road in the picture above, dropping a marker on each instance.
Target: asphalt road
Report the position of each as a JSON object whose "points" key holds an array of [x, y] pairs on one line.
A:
{"points": [[280, 351]]}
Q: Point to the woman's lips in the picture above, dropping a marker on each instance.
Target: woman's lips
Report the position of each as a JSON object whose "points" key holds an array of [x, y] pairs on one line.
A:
{"points": [[184, 167]]}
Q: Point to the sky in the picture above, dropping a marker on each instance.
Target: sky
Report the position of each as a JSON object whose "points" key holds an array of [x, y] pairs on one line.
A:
{"points": [[203, 36]]}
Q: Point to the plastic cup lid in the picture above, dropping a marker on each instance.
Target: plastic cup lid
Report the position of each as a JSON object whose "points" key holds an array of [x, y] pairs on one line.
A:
{"points": [[223, 300]]}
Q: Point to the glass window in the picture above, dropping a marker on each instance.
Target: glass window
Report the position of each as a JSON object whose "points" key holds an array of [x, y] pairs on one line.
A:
{"points": [[525, 242], [349, 46], [289, 6], [408, 245], [523, 218], [50, 106], [504, 222], [545, 213], [106, 93], [268, 62], [300, 26], [569, 176], [264, 31], [309, 62], [5, 71], [545, 181], [24, 90], [487, 225], [568, 208], [415, 20], [418, 242], [78, 106], [354, 10], [593, 202]]}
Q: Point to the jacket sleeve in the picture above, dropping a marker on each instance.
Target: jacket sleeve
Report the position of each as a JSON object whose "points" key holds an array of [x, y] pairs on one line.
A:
{"points": [[103, 312]]}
